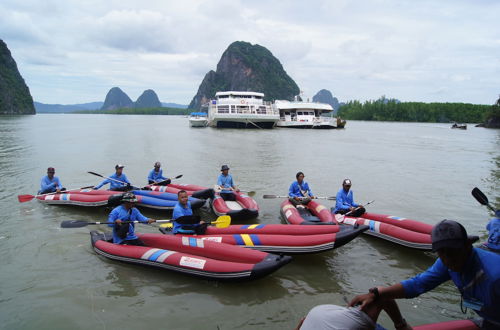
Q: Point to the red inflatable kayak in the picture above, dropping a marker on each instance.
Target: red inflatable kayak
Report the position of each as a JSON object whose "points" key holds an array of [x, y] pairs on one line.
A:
{"points": [[448, 325], [409, 224], [245, 207], [192, 256], [191, 189], [287, 244], [390, 232], [273, 229], [76, 199], [311, 214]]}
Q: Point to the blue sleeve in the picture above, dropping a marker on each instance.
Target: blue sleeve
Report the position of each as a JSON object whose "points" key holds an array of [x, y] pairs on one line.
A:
{"points": [[44, 184], [426, 281], [125, 179], [160, 175], [232, 182], [106, 181], [59, 185], [150, 176], [352, 199], [219, 180], [177, 213], [137, 215], [291, 190], [113, 215], [339, 204]]}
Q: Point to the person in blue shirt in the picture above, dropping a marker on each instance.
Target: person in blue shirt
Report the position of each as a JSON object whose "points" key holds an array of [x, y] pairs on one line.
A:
{"points": [[124, 233], [345, 201], [475, 272], [299, 192], [226, 184], [184, 221], [50, 183], [156, 176], [493, 228], [117, 181]]}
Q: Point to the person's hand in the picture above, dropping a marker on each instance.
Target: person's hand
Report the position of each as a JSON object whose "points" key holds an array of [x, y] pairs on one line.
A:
{"points": [[312, 197], [236, 189], [151, 220], [364, 300], [58, 190], [118, 221], [296, 198], [94, 188]]}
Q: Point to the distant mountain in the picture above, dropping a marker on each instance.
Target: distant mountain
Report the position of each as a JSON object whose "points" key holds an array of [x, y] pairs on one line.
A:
{"points": [[174, 105], [117, 99], [148, 99], [15, 97], [66, 108], [246, 67], [325, 96]]}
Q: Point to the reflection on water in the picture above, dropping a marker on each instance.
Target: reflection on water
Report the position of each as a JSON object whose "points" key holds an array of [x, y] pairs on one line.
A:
{"points": [[419, 171]]}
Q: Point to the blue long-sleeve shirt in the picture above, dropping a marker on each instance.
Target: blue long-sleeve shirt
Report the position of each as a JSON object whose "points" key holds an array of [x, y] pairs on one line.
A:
{"points": [[181, 211], [225, 181], [480, 282], [113, 184], [120, 212], [296, 190], [47, 185], [344, 200], [156, 176], [493, 228]]}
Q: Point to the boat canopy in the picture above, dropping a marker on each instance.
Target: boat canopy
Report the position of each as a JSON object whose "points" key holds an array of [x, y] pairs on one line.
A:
{"points": [[198, 114]]}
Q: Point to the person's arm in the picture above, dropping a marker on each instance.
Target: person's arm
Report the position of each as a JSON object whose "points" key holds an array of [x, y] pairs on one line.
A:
{"points": [[125, 179], [219, 181], [351, 197], [138, 216], [339, 203], [150, 175], [292, 191], [309, 191], [58, 183], [105, 181], [177, 212], [113, 216], [44, 184]]}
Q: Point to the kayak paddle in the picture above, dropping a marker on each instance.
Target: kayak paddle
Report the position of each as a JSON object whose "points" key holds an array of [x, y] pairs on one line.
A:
{"points": [[481, 198], [331, 198], [27, 198]]}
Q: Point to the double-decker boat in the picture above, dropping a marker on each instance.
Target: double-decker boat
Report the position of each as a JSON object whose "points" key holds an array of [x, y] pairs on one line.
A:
{"points": [[298, 114], [241, 110]]}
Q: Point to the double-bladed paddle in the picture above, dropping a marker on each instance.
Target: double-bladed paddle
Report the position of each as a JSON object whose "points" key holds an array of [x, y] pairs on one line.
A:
{"points": [[250, 193], [331, 198], [221, 222], [27, 198], [350, 212], [105, 177], [160, 182]]}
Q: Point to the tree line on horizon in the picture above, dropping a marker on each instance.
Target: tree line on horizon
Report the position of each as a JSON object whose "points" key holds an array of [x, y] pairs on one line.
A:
{"points": [[393, 110]]}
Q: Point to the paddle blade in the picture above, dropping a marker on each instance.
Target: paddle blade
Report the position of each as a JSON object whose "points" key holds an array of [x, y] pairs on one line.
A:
{"points": [[479, 196], [25, 198], [94, 173], [222, 222], [250, 193], [178, 177], [331, 198], [74, 224], [269, 196]]}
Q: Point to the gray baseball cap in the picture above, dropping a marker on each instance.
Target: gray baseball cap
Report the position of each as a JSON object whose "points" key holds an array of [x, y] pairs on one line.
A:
{"points": [[450, 234]]}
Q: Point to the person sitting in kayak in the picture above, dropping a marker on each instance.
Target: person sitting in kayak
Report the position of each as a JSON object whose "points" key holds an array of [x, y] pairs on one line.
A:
{"points": [[50, 183], [474, 271], [299, 192], [226, 184], [124, 233], [120, 181], [345, 201], [156, 176], [184, 221]]}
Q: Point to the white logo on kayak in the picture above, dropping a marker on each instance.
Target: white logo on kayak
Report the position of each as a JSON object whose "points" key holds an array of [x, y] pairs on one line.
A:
{"points": [[192, 262], [213, 239]]}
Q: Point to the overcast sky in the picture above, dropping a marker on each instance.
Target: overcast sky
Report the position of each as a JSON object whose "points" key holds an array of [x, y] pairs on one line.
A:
{"points": [[431, 51]]}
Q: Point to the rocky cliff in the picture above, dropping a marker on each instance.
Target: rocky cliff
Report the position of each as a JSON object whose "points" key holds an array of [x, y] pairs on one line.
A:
{"points": [[325, 96], [15, 97], [246, 67], [148, 99], [117, 99]]}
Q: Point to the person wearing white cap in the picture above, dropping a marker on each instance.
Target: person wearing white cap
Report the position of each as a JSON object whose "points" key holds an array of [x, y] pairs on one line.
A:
{"points": [[345, 201], [156, 176], [118, 181], [474, 271]]}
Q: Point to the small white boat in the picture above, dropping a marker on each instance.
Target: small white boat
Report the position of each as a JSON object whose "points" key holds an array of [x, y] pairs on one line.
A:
{"points": [[198, 119], [298, 114], [241, 110]]}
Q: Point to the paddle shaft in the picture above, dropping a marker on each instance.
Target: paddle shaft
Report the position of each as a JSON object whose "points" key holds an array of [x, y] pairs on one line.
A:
{"points": [[160, 182], [105, 177], [331, 198]]}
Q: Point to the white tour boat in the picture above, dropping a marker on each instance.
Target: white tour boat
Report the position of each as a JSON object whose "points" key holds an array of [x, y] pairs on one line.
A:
{"points": [[241, 110], [198, 119], [298, 114]]}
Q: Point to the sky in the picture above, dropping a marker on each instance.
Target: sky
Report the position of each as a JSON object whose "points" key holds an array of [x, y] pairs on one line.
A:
{"points": [[72, 52]]}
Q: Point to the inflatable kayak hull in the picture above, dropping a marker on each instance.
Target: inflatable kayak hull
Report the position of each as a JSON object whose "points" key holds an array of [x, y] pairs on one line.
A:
{"points": [[448, 325], [192, 256], [77, 199], [192, 190], [311, 214], [389, 232], [287, 244], [244, 208]]}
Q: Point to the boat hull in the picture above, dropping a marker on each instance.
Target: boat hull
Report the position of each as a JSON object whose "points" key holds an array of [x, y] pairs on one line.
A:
{"points": [[191, 256], [311, 214]]}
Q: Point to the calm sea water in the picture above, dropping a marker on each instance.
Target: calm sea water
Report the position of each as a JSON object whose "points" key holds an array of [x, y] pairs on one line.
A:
{"points": [[50, 277]]}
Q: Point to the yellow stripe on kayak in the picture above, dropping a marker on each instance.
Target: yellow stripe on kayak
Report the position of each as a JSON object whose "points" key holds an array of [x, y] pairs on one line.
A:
{"points": [[247, 239], [253, 226], [288, 206], [320, 208]]}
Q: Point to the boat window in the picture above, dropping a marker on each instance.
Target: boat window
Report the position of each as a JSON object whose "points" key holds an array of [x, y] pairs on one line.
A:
{"points": [[299, 113], [223, 109], [287, 113]]}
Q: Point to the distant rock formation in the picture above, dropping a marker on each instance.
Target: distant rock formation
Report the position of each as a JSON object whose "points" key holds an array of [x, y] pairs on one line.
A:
{"points": [[148, 99], [325, 96], [117, 99], [15, 97], [66, 108], [246, 67], [493, 117]]}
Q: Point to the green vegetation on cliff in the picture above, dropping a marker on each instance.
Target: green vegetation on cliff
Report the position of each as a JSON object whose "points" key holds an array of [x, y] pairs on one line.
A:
{"points": [[393, 110], [15, 97]]}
